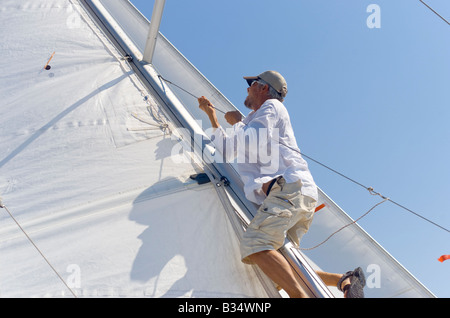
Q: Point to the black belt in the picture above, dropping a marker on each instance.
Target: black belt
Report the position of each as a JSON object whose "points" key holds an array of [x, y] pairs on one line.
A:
{"points": [[271, 184]]}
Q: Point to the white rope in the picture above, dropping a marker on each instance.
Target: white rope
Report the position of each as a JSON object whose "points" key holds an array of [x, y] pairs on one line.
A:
{"points": [[311, 248]]}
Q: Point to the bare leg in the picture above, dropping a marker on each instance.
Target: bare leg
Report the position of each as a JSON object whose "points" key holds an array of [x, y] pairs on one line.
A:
{"points": [[277, 268]]}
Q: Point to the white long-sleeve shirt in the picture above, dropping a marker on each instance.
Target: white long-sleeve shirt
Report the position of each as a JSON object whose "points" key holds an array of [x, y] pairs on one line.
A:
{"points": [[264, 147]]}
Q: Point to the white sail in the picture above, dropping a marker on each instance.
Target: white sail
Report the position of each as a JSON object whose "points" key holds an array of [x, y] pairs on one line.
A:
{"points": [[86, 169], [91, 169]]}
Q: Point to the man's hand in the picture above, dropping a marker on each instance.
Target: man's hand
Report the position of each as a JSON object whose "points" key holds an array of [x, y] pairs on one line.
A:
{"points": [[233, 117], [205, 105]]}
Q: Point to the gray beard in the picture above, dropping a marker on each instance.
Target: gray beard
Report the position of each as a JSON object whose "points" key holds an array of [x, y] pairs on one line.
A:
{"points": [[247, 104]]}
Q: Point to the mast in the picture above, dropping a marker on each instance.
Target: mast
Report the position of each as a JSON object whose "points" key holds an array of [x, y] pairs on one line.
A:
{"points": [[152, 36]]}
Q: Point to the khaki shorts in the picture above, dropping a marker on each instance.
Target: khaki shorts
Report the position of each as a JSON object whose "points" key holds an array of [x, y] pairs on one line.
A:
{"points": [[285, 211]]}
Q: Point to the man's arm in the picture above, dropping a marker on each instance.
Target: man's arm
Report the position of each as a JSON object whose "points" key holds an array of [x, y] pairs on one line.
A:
{"points": [[208, 108], [232, 117]]}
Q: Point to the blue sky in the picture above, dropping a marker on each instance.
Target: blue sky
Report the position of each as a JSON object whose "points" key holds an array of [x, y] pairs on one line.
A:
{"points": [[372, 103]]}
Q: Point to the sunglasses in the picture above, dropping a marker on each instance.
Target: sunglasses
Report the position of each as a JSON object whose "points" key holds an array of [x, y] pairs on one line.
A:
{"points": [[251, 81]]}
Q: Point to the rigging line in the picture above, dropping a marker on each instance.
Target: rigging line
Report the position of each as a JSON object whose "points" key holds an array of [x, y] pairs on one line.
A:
{"points": [[435, 12], [331, 169], [169, 82], [370, 189], [37, 248], [420, 216]]}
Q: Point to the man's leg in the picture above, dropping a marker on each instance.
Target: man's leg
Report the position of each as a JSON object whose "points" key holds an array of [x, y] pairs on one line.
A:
{"points": [[331, 279], [277, 268]]}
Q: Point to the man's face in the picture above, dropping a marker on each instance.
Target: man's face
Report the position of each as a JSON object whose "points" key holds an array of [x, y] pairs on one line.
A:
{"points": [[254, 96]]}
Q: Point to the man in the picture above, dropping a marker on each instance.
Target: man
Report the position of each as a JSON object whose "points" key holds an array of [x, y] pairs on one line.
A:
{"points": [[285, 191]]}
